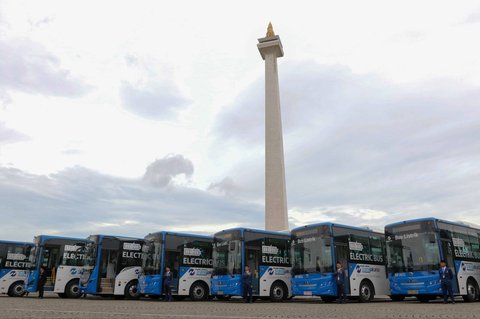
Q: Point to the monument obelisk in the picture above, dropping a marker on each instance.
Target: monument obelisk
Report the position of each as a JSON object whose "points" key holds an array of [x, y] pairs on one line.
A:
{"points": [[276, 216]]}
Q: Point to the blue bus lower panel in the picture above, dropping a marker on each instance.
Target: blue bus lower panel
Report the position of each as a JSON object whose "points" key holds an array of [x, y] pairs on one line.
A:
{"points": [[150, 285], [415, 283], [229, 285], [32, 281], [314, 285]]}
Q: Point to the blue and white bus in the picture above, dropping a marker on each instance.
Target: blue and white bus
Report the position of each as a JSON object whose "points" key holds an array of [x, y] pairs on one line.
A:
{"points": [[414, 250], [266, 253], [317, 248], [112, 266], [189, 258], [15, 266], [63, 259]]}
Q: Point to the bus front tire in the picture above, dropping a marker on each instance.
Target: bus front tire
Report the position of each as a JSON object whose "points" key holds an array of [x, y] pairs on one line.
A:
{"points": [[131, 290], [199, 291], [17, 289], [472, 291], [366, 291], [397, 297], [278, 292], [72, 290]]}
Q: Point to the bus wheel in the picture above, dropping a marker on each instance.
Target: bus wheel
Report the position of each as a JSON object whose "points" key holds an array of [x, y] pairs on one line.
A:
{"points": [[397, 297], [73, 289], [278, 292], [131, 290], [472, 291], [198, 291], [366, 292], [17, 289]]}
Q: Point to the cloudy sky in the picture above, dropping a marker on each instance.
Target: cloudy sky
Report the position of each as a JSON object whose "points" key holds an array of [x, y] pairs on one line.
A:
{"points": [[132, 117]]}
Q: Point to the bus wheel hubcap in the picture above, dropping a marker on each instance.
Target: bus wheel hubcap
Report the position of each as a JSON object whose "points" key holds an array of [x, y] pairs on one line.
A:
{"points": [[366, 291], [133, 290], [18, 289], [471, 290], [278, 292], [199, 292]]}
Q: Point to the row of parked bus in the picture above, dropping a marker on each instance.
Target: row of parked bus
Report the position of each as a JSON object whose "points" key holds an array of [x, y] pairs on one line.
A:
{"points": [[401, 262]]}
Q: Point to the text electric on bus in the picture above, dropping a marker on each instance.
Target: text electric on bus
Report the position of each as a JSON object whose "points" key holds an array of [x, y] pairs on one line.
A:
{"points": [[414, 250], [188, 256], [266, 253], [316, 249]]}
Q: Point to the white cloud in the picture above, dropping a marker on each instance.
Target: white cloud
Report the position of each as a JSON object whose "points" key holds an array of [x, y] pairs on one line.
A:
{"points": [[161, 172]]}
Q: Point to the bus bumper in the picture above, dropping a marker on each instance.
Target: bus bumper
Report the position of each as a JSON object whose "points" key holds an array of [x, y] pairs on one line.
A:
{"points": [[313, 285], [415, 283], [228, 285]]}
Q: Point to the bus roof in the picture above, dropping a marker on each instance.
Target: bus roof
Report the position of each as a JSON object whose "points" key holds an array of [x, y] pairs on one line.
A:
{"points": [[431, 219], [47, 237], [15, 242], [179, 234], [330, 224], [117, 237], [242, 229]]}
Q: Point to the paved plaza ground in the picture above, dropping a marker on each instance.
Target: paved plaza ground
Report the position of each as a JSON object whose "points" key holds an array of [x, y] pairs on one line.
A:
{"points": [[94, 307]]}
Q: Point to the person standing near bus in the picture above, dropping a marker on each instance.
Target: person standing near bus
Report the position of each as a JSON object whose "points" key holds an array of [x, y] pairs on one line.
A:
{"points": [[167, 284], [340, 280], [247, 285], [446, 277], [42, 280]]}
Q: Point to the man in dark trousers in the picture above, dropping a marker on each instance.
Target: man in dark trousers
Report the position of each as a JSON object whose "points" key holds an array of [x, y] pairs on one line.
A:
{"points": [[167, 284], [42, 279], [340, 280], [247, 285], [446, 277]]}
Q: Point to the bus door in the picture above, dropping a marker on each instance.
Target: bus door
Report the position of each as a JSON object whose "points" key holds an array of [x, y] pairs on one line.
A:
{"points": [[252, 260], [448, 255], [172, 260], [108, 264], [341, 254], [50, 260]]}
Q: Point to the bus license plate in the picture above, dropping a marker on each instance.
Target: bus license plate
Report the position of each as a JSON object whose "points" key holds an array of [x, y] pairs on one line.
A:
{"points": [[307, 293], [413, 292], [219, 292]]}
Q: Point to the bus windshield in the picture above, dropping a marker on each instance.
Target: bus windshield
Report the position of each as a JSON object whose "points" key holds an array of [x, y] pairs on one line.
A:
{"points": [[90, 254], [227, 257], [312, 254], [151, 255], [415, 250]]}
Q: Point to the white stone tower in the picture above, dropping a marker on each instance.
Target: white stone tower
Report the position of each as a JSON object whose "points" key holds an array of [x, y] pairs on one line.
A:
{"points": [[276, 216]]}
